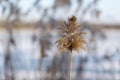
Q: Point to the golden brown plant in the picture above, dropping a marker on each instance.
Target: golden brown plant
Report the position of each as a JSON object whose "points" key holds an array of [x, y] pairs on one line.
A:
{"points": [[72, 40]]}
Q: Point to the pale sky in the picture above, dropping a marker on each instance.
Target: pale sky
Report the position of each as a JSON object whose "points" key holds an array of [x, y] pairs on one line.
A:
{"points": [[110, 9]]}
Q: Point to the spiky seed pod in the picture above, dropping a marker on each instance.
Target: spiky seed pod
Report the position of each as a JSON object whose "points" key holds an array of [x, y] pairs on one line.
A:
{"points": [[72, 40]]}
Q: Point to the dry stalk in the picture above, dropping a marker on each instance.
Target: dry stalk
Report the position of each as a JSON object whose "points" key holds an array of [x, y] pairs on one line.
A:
{"points": [[72, 40]]}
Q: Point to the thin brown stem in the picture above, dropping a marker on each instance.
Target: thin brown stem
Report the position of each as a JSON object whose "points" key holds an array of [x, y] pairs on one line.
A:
{"points": [[71, 66]]}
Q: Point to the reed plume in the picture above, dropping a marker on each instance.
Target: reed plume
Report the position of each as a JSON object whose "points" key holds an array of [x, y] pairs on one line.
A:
{"points": [[72, 40]]}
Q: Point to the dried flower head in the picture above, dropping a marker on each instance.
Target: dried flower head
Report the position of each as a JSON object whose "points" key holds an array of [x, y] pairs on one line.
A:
{"points": [[72, 40]]}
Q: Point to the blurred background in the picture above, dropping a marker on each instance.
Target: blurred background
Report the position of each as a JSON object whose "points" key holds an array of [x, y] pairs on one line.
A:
{"points": [[28, 34]]}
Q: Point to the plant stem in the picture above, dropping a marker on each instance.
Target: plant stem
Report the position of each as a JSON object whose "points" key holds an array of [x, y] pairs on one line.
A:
{"points": [[71, 66]]}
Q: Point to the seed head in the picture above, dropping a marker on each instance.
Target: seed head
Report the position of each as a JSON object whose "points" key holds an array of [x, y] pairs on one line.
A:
{"points": [[72, 40]]}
